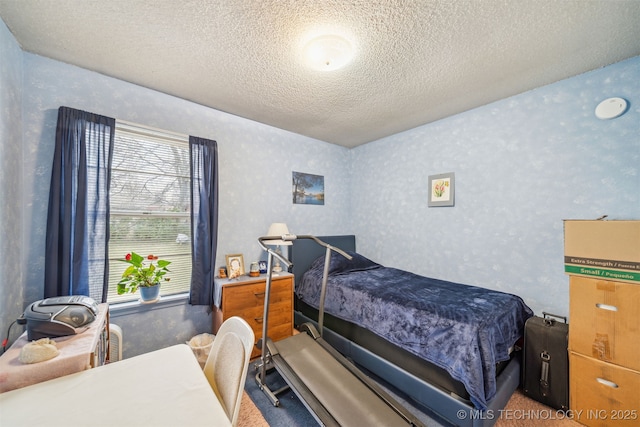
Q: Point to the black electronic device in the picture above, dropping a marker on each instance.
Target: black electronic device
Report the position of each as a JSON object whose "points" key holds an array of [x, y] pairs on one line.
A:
{"points": [[59, 316]]}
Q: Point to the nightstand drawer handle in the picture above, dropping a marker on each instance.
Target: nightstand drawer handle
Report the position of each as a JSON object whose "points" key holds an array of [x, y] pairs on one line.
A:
{"points": [[607, 383], [258, 319], [607, 307], [258, 294]]}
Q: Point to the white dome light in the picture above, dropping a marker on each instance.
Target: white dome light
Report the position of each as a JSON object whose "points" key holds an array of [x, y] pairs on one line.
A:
{"points": [[328, 53]]}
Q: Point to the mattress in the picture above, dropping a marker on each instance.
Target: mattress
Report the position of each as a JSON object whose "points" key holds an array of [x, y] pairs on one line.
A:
{"points": [[465, 332]]}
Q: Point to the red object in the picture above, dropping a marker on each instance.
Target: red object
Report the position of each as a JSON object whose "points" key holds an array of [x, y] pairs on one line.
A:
{"points": [[127, 257]]}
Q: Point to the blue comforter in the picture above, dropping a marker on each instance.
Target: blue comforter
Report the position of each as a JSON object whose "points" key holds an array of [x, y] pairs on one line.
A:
{"points": [[463, 329]]}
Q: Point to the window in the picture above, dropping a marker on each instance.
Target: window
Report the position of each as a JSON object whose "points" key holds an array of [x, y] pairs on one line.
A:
{"points": [[150, 204]]}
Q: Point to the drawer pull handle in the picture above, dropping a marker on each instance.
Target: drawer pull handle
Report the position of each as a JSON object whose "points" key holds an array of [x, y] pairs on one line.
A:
{"points": [[258, 294], [607, 383], [607, 307], [258, 319]]}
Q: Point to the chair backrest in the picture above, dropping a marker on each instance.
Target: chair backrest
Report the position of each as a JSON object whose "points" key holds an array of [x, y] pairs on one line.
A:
{"points": [[227, 364]]}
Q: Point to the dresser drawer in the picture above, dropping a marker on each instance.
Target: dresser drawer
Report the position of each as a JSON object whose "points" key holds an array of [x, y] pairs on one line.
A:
{"points": [[603, 394], [243, 297], [604, 320], [279, 314]]}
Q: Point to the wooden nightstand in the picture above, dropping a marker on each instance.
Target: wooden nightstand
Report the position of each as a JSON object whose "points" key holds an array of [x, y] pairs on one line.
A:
{"points": [[244, 297]]}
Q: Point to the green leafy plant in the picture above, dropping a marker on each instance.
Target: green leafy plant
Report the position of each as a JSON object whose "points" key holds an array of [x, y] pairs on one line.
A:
{"points": [[139, 274]]}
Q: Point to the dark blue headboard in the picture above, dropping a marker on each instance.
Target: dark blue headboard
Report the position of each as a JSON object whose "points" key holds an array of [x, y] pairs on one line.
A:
{"points": [[305, 251]]}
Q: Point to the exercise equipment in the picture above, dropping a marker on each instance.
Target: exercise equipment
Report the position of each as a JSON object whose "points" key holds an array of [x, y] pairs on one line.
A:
{"points": [[332, 388]]}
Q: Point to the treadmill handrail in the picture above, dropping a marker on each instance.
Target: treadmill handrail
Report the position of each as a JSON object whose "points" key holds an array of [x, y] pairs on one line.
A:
{"points": [[291, 237], [265, 316], [271, 253]]}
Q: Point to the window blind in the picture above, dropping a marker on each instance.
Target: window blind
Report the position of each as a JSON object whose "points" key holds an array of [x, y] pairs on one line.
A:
{"points": [[150, 204]]}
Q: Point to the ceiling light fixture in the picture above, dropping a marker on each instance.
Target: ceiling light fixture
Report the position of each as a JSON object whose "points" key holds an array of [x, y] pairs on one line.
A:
{"points": [[328, 53]]}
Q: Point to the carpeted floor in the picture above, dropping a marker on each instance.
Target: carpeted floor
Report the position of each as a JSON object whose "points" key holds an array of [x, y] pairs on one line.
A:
{"points": [[290, 412], [257, 411], [250, 415], [522, 411]]}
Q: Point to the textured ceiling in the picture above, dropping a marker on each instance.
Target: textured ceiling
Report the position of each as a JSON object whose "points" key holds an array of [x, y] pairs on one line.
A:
{"points": [[415, 61]]}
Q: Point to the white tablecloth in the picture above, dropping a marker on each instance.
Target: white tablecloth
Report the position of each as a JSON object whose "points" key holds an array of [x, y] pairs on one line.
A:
{"points": [[162, 388], [75, 352]]}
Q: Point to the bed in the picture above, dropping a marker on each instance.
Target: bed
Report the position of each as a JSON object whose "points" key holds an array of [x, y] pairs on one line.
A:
{"points": [[445, 356]]}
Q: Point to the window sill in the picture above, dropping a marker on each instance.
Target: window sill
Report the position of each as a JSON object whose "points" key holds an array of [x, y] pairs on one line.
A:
{"points": [[133, 307]]}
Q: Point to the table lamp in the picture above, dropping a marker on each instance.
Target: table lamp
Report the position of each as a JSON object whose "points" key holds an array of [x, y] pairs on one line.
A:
{"points": [[277, 229]]}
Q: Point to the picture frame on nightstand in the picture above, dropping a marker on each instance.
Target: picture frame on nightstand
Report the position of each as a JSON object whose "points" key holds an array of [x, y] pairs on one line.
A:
{"points": [[262, 265], [235, 265]]}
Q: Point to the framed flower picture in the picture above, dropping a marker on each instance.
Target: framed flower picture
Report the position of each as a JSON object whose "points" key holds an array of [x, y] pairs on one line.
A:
{"points": [[441, 189]]}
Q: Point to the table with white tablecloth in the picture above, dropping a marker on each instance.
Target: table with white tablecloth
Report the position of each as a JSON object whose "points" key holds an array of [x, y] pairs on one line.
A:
{"points": [[162, 388]]}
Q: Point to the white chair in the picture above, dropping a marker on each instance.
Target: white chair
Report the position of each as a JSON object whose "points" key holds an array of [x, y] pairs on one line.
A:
{"points": [[227, 364]]}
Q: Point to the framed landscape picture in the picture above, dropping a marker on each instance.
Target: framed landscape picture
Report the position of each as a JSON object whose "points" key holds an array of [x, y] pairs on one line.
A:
{"points": [[308, 189]]}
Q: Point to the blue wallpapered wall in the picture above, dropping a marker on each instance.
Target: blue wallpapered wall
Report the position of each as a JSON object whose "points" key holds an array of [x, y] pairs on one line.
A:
{"points": [[256, 162], [12, 261], [522, 165]]}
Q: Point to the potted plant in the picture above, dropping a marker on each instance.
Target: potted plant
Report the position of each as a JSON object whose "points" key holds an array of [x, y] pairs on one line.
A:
{"points": [[143, 276]]}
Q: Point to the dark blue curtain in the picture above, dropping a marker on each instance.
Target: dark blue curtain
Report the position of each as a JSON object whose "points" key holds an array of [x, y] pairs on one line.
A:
{"points": [[204, 218], [76, 259]]}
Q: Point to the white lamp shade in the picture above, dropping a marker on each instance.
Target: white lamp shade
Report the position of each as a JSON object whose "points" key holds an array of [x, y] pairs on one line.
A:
{"points": [[277, 229]]}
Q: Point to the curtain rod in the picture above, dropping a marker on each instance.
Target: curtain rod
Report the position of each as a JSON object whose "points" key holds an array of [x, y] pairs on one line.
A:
{"points": [[151, 131]]}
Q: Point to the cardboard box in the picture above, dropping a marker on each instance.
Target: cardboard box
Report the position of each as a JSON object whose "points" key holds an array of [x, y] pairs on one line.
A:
{"points": [[605, 323], [609, 250], [603, 394]]}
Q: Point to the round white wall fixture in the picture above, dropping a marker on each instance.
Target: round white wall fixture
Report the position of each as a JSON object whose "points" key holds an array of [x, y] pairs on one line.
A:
{"points": [[611, 108]]}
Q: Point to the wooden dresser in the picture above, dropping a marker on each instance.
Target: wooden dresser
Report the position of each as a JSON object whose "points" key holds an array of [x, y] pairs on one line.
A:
{"points": [[604, 327], [244, 297]]}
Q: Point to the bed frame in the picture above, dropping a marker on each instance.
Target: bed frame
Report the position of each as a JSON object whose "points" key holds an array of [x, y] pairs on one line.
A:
{"points": [[439, 393]]}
